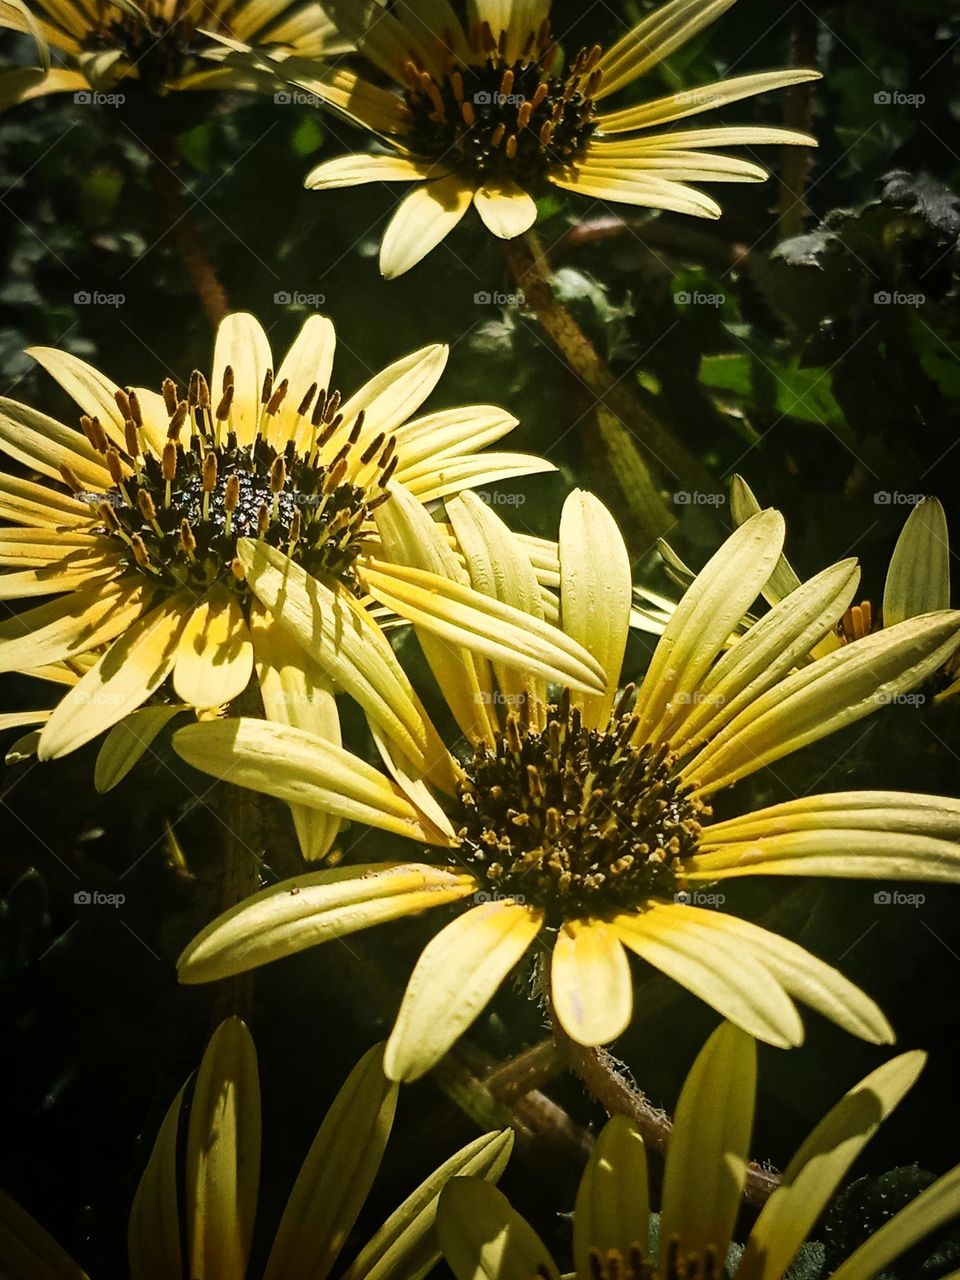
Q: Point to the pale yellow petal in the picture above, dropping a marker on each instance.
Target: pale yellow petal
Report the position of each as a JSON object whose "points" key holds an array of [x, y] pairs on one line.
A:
{"points": [[613, 1204], [308, 363], [127, 742], [214, 659], [706, 97], [706, 1168], [424, 218], [505, 208], [153, 1231], [45, 445], [918, 580], [241, 347], [306, 910], [353, 170], [484, 1238], [590, 984], [667, 28], [70, 626], [29, 1252], [454, 980]]}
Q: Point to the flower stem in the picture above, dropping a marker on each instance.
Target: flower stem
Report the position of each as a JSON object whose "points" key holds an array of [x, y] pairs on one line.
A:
{"points": [[172, 194], [607, 1084], [632, 439]]}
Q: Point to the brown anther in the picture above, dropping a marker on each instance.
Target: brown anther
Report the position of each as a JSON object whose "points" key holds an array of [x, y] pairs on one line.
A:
{"points": [[203, 392], [177, 419], [319, 408], [295, 526], [237, 569], [372, 449], [278, 475], [193, 389], [168, 463], [131, 438], [188, 542], [456, 84], [276, 400], [388, 474], [498, 135], [487, 38], [307, 400], [546, 133], [223, 408], [94, 433], [267, 389], [333, 404], [231, 494], [147, 506], [139, 548], [506, 83], [112, 459], [170, 396], [123, 402], [210, 472], [70, 478], [410, 73], [227, 377], [109, 517], [263, 519], [357, 427], [524, 114], [540, 93], [335, 475], [511, 146], [468, 113]]}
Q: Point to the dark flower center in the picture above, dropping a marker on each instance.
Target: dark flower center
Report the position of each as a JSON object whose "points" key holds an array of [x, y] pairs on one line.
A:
{"points": [[577, 821], [504, 119], [177, 517]]}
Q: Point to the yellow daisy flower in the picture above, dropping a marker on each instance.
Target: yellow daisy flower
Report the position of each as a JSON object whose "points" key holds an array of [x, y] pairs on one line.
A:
{"points": [[159, 44], [142, 519], [484, 1238], [581, 824], [193, 1212], [484, 112]]}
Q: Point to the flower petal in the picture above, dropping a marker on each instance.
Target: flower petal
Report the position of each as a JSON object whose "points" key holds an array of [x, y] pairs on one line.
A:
{"points": [[241, 347], [214, 660], [506, 209], [820, 1165], [454, 980], [422, 220], [336, 1176], [126, 743], [223, 1156], [484, 1238], [590, 983], [354, 170], [132, 668], [153, 1231], [92, 390], [705, 617], [706, 1168], [612, 183], [824, 696], [667, 28], [306, 910], [309, 362], [45, 445], [300, 768], [596, 593], [677, 940], [405, 1247], [918, 580], [29, 1251], [70, 626], [706, 97], [393, 394], [613, 1203]]}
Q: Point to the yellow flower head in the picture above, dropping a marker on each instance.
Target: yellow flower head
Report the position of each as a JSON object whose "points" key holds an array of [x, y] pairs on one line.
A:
{"points": [[487, 110], [158, 44], [146, 515], [194, 1210], [484, 1238], [579, 821]]}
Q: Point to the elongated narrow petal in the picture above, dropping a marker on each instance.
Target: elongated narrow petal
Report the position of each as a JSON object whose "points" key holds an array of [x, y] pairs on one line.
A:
{"points": [[132, 668], [595, 593], [933, 1208], [296, 692], [424, 218], [306, 910], [309, 362], [706, 1167], [918, 580], [484, 1238], [453, 981], [820, 1165], [45, 445], [842, 851], [29, 1252], [336, 632], [613, 1204], [352, 171], [706, 616], [825, 696], [480, 623], [590, 983], [392, 395], [405, 1247], [153, 1234], [667, 28], [452, 475], [223, 1156], [611, 183], [803, 976], [904, 812], [243, 348], [743, 505], [506, 209], [674, 938], [769, 650], [92, 390], [214, 660], [707, 97], [336, 1176], [301, 768], [127, 743]]}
